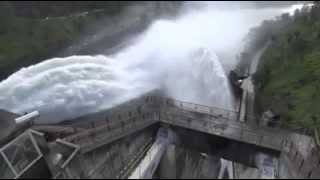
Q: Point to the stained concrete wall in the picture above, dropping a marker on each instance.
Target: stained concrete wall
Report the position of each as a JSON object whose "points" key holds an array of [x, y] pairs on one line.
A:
{"points": [[38, 170], [196, 165], [300, 158], [221, 147], [191, 165], [168, 165], [109, 160]]}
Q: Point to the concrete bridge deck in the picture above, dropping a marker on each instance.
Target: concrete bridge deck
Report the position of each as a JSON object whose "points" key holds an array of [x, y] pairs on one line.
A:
{"points": [[221, 123], [210, 120]]}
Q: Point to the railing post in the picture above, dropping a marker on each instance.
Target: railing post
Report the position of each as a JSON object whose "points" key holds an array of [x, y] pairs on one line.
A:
{"points": [[9, 164]]}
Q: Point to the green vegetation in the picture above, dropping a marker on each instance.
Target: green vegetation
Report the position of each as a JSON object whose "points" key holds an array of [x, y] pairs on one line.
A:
{"points": [[33, 31], [43, 9], [288, 77], [25, 39], [27, 36]]}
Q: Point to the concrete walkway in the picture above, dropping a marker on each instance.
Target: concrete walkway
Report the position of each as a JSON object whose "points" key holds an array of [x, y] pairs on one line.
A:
{"points": [[248, 96]]}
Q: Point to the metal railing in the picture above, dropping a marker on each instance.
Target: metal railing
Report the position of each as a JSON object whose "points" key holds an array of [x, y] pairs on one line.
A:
{"points": [[236, 131], [109, 125], [182, 113], [223, 113], [216, 121], [232, 115], [66, 169], [179, 114], [19, 155], [219, 113], [110, 131], [218, 116]]}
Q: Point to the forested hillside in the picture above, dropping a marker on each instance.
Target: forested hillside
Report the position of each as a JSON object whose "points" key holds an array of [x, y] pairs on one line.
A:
{"points": [[31, 32], [288, 77]]}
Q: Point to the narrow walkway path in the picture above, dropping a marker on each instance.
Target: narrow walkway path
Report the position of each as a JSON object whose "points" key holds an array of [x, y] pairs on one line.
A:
{"points": [[248, 96]]}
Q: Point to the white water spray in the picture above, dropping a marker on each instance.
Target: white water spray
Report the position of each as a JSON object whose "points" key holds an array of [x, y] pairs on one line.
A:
{"points": [[178, 56]]}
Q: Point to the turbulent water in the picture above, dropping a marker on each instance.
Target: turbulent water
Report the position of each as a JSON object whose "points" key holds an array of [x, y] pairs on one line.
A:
{"points": [[179, 56]]}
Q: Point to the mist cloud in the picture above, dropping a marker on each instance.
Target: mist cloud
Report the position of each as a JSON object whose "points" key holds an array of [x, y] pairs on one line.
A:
{"points": [[180, 56]]}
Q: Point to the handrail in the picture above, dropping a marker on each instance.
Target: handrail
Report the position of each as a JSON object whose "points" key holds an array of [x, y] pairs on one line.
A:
{"points": [[198, 105], [261, 137], [242, 124], [107, 124], [232, 125], [239, 126], [26, 136], [216, 116], [212, 110]]}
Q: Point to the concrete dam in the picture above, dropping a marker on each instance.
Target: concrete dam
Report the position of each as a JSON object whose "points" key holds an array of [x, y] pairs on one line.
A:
{"points": [[100, 117], [154, 136]]}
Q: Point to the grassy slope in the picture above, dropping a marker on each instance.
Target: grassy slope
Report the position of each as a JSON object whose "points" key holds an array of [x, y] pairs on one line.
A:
{"points": [[288, 80]]}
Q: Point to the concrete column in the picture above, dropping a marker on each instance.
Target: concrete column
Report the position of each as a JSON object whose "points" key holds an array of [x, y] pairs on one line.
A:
{"points": [[243, 106], [250, 111], [226, 166], [167, 166]]}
